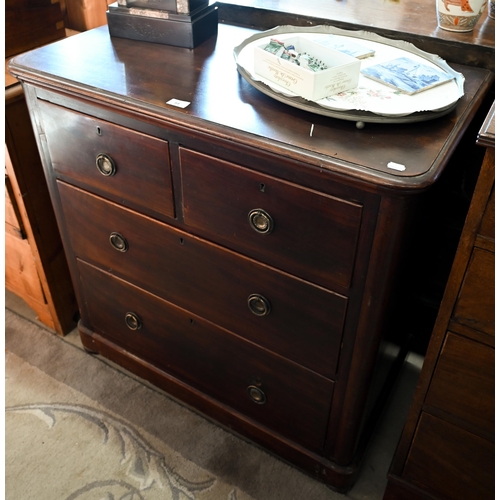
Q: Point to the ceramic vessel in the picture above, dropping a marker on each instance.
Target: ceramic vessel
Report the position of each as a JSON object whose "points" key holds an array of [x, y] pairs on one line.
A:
{"points": [[459, 15]]}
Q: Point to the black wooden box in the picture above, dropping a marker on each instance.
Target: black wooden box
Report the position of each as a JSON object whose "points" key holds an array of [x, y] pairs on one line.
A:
{"points": [[163, 27]]}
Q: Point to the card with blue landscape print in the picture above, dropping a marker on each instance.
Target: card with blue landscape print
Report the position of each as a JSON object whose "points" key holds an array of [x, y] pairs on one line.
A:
{"points": [[407, 75]]}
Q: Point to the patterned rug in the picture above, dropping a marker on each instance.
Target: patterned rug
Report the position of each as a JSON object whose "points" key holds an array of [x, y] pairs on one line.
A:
{"points": [[75, 449], [79, 429]]}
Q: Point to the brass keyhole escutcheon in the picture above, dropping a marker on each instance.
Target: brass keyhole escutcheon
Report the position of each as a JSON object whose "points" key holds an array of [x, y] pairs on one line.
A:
{"points": [[105, 164], [133, 321], [118, 242], [256, 394], [259, 305], [260, 221]]}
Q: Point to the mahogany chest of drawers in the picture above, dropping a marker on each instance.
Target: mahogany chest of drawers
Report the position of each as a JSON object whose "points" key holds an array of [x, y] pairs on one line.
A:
{"points": [[221, 251]]}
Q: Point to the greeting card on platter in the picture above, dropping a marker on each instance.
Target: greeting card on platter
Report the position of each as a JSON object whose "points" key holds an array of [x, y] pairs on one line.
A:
{"points": [[407, 75]]}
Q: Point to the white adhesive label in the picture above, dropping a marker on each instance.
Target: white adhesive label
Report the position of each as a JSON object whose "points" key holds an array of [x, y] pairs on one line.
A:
{"points": [[396, 166], [178, 103]]}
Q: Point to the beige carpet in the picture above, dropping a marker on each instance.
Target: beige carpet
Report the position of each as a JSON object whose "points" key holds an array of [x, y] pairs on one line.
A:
{"points": [[78, 428], [69, 446]]}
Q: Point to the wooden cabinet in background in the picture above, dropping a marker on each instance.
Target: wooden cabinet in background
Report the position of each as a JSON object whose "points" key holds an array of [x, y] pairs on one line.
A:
{"points": [[31, 23], [82, 15], [447, 447], [35, 265]]}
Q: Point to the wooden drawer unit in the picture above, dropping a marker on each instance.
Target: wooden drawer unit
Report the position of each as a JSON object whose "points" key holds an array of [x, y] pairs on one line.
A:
{"points": [[183, 269], [447, 448], [271, 220], [130, 167], [36, 269], [32, 24], [262, 263], [268, 388]]}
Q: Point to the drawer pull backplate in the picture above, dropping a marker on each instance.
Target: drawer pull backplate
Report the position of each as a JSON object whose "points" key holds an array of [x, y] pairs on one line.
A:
{"points": [[105, 164], [256, 395], [260, 221], [118, 242], [133, 321], [259, 305]]}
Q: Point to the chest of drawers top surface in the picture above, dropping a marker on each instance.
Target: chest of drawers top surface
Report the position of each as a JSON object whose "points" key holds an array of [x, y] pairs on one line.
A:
{"points": [[145, 76]]}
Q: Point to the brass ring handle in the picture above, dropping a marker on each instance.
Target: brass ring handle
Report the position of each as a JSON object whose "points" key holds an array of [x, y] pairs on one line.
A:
{"points": [[260, 221], [259, 305], [118, 242], [105, 164], [256, 395], [133, 321]]}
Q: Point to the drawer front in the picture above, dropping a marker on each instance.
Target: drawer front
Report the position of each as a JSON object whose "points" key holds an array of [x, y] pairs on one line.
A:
{"points": [[142, 177], [451, 462], [487, 227], [464, 382], [311, 235], [287, 398], [303, 323], [475, 305]]}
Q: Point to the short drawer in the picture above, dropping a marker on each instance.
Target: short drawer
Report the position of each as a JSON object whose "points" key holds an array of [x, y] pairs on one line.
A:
{"points": [[463, 384], [304, 232], [289, 316], [281, 395], [135, 170]]}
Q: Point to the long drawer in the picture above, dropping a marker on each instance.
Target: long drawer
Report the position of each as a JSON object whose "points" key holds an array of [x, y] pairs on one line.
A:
{"points": [[450, 462], [475, 305], [267, 388], [130, 167], [304, 232], [289, 316]]}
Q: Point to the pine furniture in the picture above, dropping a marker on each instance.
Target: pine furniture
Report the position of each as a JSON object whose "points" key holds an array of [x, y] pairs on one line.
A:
{"points": [[35, 262]]}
